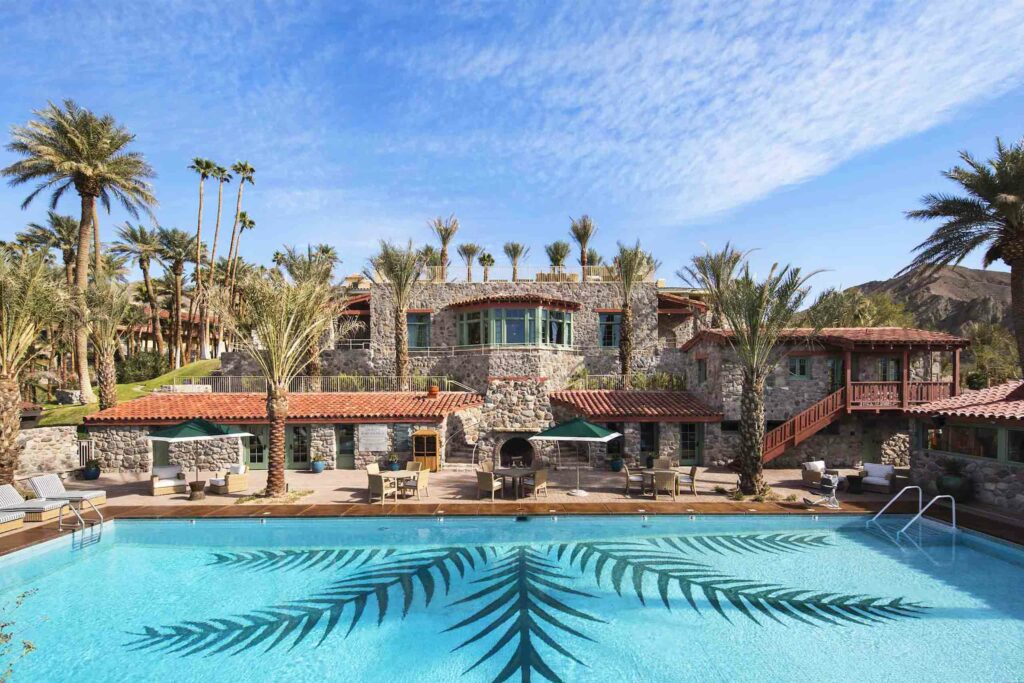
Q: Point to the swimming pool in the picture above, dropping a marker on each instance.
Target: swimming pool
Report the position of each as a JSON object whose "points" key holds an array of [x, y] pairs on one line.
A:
{"points": [[667, 598]]}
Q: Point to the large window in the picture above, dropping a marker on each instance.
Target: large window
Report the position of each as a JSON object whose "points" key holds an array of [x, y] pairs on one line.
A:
{"points": [[514, 327], [648, 437], [702, 370], [688, 442], [403, 438], [345, 439], [982, 442], [418, 325], [614, 447], [799, 367], [300, 444], [608, 326], [1014, 445], [890, 370]]}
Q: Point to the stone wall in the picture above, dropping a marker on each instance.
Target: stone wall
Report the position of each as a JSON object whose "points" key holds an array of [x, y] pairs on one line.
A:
{"points": [[995, 483], [47, 449], [122, 449], [322, 443], [208, 455], [364, 458]]}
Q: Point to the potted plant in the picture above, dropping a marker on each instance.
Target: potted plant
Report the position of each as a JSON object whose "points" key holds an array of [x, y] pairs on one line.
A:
{"points": [[393, 463], [616, 463], [318, 464], [91, 470], [954, 482]]}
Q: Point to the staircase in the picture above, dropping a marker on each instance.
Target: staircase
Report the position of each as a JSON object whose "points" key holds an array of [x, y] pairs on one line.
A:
{"points": [[459, 458], [804, 425]]}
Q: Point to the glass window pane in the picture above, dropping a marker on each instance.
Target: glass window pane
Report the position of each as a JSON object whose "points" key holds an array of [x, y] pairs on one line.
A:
{"points": [[1015, 445], [614, 447], [402, 443], [300, 444], [648, 437], [345, 437]]}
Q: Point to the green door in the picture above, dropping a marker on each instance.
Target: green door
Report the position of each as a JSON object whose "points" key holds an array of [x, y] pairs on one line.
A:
{"points": [[345, 439], [297, 447], [161, 453], [256, 452], [690, 443]]}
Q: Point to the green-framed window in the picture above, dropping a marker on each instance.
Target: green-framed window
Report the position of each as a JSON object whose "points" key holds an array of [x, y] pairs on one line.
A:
{"points": [[402, 438], [979, 441], [345, 439], [614, 447], [514, 327], [648, 437], [1015, 445], [609, 326], [799, 367], [890, 369], [418, 325], [702, 370]]}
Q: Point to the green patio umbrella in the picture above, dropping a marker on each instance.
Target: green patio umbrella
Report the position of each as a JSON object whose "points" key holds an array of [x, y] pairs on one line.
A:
{"points": [[580, 431], [194, 430]]}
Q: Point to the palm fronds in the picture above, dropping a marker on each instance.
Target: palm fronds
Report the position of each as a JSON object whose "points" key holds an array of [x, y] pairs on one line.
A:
{"points": [[303, 559]]}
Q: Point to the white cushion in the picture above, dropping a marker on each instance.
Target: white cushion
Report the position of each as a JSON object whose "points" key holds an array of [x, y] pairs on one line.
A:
{"points": [[815, 466], [875, 470], [877, 481], [237, 469], [163, 483], [167, 471], [218, 482]]}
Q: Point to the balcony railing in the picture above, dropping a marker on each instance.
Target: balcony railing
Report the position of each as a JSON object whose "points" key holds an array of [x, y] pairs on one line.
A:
{"points": [[659, 381], [523, 273], [889, 395], [232, 384]]}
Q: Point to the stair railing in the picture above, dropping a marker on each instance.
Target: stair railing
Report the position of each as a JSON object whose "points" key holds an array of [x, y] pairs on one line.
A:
{"points": [[952, 502], [920, 501]]}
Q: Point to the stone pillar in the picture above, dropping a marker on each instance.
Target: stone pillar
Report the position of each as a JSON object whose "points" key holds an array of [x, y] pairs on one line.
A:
{"points": [[322, 443], [669, 440]]}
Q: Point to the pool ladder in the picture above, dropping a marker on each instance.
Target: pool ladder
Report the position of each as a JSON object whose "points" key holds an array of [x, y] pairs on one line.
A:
{"points": [[921, 508]]}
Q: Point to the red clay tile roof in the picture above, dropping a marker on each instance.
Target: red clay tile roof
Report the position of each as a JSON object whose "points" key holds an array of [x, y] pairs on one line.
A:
{"points": [[162, 408], [636, 405], [525, 298], [1001, 402], [853, 336]]}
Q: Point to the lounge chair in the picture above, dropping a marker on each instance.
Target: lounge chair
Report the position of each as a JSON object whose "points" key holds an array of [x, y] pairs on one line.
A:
{"points": [[666, 481], [420, 483], [413, 466], [36, 510], [235, 479], [878, 477], [50, 486], [538, 482], [486, 482], [689, 480], [633, 479], [11, 520], [168, 479], [379, 487]]}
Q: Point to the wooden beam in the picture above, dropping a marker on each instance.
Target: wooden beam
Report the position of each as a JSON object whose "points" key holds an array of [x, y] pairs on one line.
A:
{"points": [[848, 378], [905, 386], [956, 373]]}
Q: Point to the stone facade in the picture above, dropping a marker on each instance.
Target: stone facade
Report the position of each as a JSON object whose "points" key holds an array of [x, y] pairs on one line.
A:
{"points": [[47, 449], [208, 455], [122, 449], [322, 444], [995, 483], [364, 457]]}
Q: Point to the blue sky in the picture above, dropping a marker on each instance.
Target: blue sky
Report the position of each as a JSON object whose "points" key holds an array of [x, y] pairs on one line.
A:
{"points": [[803, 131]]}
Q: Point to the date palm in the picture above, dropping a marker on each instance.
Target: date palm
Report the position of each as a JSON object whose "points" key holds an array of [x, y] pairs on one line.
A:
{"points": [[593, 258], [244, 222], [60, 233], [245, 174], [67, 147], [468, 251], [177, 248], [632, 266], [486, 261], [204, 168], [582, 230], [222, 177], [143, 245], [280, 321], [712, 270], [515, 252], [445, 229], [32, 298], [398, 270], [989, 214], [557, 253], [112, 312]]}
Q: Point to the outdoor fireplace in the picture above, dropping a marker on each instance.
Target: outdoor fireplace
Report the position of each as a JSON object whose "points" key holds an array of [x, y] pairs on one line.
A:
{"points": [[516, 449]]}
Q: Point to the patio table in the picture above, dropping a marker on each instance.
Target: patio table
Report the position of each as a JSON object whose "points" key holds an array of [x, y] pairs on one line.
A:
{"points": [[516, 474], [399, 476], [651, 471]]}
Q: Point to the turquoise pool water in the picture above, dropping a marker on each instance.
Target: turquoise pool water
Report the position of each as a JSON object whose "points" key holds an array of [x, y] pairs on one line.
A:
{"points": [[482, 599]]}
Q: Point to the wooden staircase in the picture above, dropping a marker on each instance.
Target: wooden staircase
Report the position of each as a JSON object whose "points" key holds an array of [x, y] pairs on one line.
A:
{"points": [[804, 425]]}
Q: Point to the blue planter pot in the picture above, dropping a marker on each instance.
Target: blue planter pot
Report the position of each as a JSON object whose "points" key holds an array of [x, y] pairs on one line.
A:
{"points": [[394, 466], [616, 464], [91, 473], [318, 466]]}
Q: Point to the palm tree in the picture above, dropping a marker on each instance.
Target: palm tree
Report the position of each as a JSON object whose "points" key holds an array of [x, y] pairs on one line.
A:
{"points": [[205, 168], [713, 269], [445, 229], [582, 230], [757, 313], [317, 264], [557, 253], [31, 299], [632, 266], [244, 222], [223, 176], [468, 252], [112, 313], [143, 245], [176, 249], [60, 233], [486, 261], [515, 252], [990, 214], [245, 174], [398, 269], [69, 147], [113, 266], [280, 321], [593, 258]]}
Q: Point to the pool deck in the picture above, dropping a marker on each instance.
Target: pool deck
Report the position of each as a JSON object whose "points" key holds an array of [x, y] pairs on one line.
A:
{"points": [[343, 494]]}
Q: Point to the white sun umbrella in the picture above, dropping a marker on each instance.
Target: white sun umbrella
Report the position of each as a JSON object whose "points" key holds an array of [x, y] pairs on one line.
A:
{"points": [[579, 431]]}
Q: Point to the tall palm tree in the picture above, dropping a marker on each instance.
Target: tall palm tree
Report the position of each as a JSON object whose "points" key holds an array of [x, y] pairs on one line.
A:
{"points": [[632, 265], [68, 147], [713, 269], [486, 261], [60, 233], [143, 245], [244, 222], [445, 229], [582, 230], [177, 248], [245, 174], [990, 214], [316, 264], [398, 270], [468, 252], [557, 252], [31, 299], [205, 168], [112, 314], [757, 314], [281, 319], [222, 176], [515, 252]]}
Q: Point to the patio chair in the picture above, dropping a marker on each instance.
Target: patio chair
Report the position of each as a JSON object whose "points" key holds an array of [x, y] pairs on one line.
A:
{"points": [[11, 520], [373, 468], [487, 466], [487, 482], [662, 463], [50, 486], [168, 479], [878, 477], [36, 510], [413, 466], [811, 473], [689, 480], [633, 479], [379, 487], [420, 483], [538, 482], [666, 481], [235, 479]]}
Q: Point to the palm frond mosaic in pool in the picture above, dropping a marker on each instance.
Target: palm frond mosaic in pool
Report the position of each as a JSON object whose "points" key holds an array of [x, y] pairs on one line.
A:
{"points": [[493, 599]]}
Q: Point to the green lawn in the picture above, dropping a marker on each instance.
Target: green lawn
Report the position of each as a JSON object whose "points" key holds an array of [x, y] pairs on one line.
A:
{"points": [[54, 414]]}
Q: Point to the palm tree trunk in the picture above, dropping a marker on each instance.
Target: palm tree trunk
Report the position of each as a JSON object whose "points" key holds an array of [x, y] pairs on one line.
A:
{"points": [[444, 266], [626, 345], [401, 348], [752, 428], [106, 375], [277, 413], [85, 226], [10, 425], [176, 317], [235, 239], [97, 254], [515, 271], [1017, 307], [154, 308], [205, 311]]}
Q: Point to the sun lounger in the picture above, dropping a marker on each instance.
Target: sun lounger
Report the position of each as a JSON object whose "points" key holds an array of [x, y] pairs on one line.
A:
{"points": [[50, 486], [11, 520], [165, 480], [36, 510]]}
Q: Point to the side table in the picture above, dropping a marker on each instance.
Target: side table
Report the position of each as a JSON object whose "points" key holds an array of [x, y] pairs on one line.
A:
{"points": [[853, 483], [198, 490]]}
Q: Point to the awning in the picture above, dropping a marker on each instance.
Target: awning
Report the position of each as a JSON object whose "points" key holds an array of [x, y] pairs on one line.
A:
{"points": [[194, 430], [577, 430]]}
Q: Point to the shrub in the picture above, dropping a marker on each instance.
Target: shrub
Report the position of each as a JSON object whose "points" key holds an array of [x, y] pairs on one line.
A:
{"points": [[141, 366]]}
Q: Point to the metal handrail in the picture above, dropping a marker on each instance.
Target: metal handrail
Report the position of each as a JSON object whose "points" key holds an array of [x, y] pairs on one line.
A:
{"points": [[916, 517], [81, 521], [920, 501]]}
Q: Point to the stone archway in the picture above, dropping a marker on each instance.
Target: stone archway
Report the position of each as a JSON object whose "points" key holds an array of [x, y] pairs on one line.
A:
{"points": [[515, 448]]}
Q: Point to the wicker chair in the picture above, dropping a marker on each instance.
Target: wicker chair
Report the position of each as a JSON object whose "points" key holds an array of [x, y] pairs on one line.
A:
{"points": [[413, 466], [234, 480], [633, 479], [379, 487], [538, 482], [373, 468], [689, 479], [420, 483], [662, 463], [666, 481], [486, 482]]}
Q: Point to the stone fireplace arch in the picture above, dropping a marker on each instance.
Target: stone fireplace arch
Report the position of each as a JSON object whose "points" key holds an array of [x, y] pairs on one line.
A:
{"points": [[515, 448]]}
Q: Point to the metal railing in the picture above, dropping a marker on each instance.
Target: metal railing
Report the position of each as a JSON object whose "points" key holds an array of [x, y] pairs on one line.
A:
{"points": [[637, 381], [952, 502], [920, 501], [231, 384], [85, 451]]}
